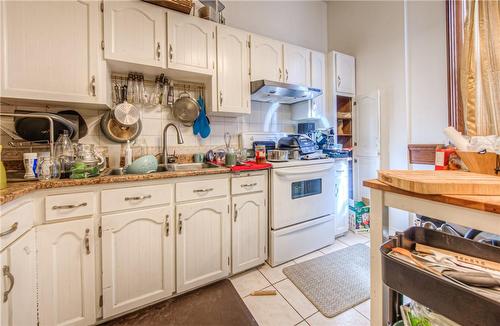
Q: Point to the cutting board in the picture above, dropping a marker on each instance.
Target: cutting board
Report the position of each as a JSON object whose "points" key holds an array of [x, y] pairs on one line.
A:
{"points": [[442, 182]]}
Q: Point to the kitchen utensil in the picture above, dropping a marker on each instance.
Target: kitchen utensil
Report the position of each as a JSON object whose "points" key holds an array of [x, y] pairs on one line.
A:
{"points": [[480, 279], [441, 182], [37, 129], [186, 109], [143, 165], [125, 113], [227, 140], [117, 132], [277, 155], [230, 158], [82, 125]]}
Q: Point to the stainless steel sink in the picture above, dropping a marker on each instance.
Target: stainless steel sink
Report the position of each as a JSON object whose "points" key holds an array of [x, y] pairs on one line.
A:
{"points": [[190, 166]]}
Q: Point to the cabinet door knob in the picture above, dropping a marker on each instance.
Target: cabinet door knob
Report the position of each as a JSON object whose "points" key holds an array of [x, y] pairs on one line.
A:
{"points": [[170, 52], [6, 272], [167, 225], [92, 85], [12, 228], [87, 241], [158, 51]]}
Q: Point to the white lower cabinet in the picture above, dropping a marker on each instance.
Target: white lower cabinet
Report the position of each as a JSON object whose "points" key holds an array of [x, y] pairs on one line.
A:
{"points": [[203, 242], [66, 273], [137, 258], [18, 286], [249, 231]]}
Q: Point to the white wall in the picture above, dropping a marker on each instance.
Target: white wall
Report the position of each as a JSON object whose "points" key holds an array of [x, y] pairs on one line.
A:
{"points": [[298, 22]]}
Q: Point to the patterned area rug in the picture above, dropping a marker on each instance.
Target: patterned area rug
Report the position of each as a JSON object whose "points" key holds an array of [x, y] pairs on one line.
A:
{"points": [[334, 282]]}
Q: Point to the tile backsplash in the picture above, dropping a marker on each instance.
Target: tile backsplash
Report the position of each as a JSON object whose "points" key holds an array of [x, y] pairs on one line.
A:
{"points": [[264, 117]]}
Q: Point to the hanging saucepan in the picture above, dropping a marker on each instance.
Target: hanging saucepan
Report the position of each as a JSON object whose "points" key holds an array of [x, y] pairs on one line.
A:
{"points": [[186, 109], [37, 129], [124, 113], [116, 132]]}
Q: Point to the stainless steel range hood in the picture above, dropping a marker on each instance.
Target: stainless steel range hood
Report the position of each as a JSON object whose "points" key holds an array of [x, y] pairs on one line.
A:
{"points": [[283, 93]]}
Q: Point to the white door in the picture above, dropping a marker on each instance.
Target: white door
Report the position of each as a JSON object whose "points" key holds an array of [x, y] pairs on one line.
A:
{"points": [[366, 137], [345, 73], [301, 193], [266, 59], [318, 80], [18, 286], [249, 231], [341, 197], [66, 273], [203, 243], [138, 258], [191, 43], [51, 51], [233, 70], [134, 32], [297, 65]]}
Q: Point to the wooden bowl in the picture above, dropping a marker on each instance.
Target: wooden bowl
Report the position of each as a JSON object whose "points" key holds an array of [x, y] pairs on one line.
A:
{"points": [[487, 163]]}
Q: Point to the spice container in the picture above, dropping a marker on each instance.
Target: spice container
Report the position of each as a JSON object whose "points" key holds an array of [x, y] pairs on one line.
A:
{"points": [[260, 154]]}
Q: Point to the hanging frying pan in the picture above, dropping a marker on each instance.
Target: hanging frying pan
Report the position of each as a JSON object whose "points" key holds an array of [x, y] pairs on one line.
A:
{"points": [[37, 129], [116, 132]]}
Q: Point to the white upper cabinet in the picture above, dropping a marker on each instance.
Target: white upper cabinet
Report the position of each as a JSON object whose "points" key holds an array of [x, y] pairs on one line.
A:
{"points": [[138, 258], [18, 284], [249, 231], [134, 32], [191, 43], [203, 243], [233, 70], [345, 73], [297, 65], [51, 51], [66, 273], [266, 59]]}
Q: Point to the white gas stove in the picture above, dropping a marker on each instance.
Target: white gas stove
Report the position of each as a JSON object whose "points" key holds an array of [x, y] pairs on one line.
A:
{"points": [[302, 206]]}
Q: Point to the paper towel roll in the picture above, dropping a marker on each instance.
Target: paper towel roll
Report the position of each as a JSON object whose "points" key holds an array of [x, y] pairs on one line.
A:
{"points": [[460, 142]]}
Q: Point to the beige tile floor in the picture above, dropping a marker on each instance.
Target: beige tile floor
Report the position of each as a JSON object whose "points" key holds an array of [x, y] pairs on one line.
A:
{"points": [[290, 306]]}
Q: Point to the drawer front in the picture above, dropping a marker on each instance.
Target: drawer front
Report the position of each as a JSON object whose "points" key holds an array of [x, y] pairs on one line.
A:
{"points": [[242, 185], [135, 197], [59, 207], [202, 189], [15, 223]]}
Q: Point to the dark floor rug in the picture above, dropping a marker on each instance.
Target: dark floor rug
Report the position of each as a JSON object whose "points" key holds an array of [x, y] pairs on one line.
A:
{"points": [[215, 304]]}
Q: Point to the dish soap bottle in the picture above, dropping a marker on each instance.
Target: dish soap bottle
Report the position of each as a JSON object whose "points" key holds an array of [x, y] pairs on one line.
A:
{"points": [[128, 154], [3, 174]]}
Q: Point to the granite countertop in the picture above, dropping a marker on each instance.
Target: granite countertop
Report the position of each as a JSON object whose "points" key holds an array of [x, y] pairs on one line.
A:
{"points": [[18, 189]]}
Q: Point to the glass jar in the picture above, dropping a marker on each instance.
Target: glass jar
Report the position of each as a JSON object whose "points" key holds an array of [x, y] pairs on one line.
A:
{"points": [[88, 163], [260, 154], [47, 168]]}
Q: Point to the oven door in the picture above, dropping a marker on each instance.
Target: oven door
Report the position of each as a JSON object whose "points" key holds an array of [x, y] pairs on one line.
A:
{"points": [[301, 193]]}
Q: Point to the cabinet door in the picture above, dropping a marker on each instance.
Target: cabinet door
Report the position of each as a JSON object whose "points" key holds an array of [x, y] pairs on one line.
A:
{"points": [[233, 70], [318, 80], [266, 59], [249, 231], [345, 71], [297, 65], [203, 237], [341, 197], [137, 258], [52, 51], [134, 32], [366, 118], [191, 43], [66, 273], [18, 263]]}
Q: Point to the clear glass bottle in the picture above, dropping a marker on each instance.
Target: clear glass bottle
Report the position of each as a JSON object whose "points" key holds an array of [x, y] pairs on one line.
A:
{"points": [[65, 154]]}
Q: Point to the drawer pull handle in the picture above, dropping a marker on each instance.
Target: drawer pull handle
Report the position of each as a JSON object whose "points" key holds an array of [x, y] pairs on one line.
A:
{"points": [[180, 224], [167, 225], [6, 272], [235, 213], [137, 198], [158, 51], [12, 228], [170, 52], [203, 190], [87, 241], [247, 185], [69, 206]]}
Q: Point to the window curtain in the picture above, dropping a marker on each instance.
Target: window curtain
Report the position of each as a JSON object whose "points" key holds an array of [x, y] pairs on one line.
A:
{"points": [[480, 68]]}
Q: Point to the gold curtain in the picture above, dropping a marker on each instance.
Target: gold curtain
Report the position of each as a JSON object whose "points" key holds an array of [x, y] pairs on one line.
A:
{"points": [[480, 68]]}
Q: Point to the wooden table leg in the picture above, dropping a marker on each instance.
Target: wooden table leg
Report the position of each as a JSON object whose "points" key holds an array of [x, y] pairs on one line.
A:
{"points": [[379, 221]]}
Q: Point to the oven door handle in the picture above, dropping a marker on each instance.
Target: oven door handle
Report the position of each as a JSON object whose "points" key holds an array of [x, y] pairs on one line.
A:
{"points": [[305, 171]]}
